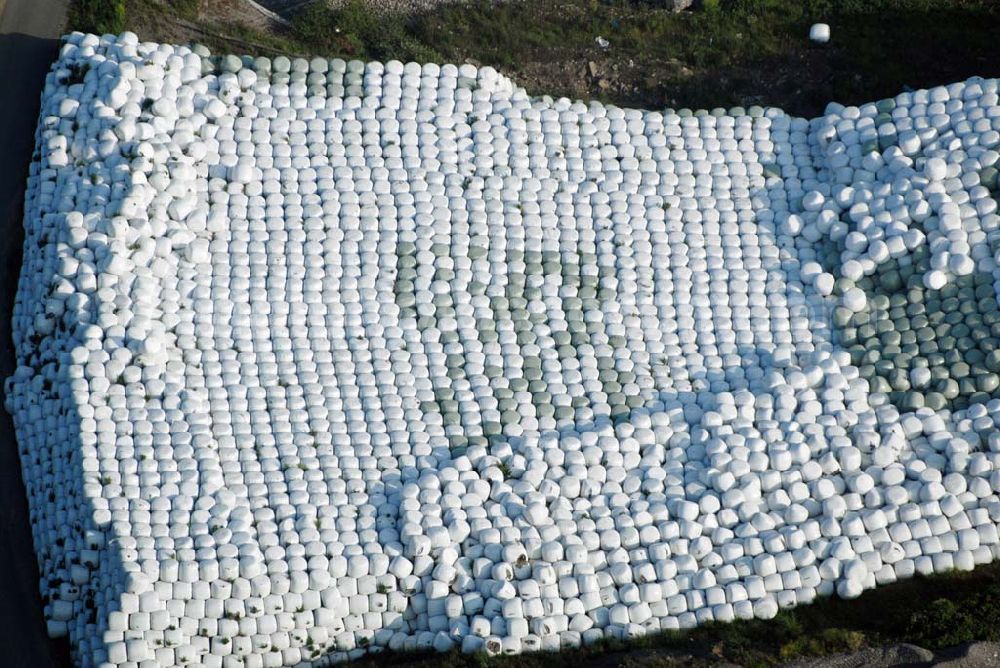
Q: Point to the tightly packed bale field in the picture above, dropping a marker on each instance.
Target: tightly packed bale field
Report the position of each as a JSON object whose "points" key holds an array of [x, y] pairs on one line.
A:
{"points": [[318, 358]]}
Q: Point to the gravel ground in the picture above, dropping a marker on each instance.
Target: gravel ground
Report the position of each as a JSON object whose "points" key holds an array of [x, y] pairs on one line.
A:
{"points": [[969, 655], [890, 655]]}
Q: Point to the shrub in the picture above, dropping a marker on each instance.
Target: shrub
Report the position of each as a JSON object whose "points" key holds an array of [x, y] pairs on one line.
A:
{"points": [[828, 641], [98, 16], [944, 623]]}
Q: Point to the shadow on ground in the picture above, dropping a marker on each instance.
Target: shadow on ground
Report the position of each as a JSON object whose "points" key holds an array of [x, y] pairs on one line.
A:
{"points": [[24, 61]]}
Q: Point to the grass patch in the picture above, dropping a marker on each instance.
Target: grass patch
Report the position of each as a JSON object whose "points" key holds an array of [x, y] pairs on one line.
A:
{"points": [[185, 8], [98, 16], [828, 641], [353, 30], [945, 622]]}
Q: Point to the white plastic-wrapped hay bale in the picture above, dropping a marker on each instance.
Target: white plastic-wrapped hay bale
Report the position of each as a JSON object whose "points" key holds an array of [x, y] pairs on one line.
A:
{"points": [[318, 358]]}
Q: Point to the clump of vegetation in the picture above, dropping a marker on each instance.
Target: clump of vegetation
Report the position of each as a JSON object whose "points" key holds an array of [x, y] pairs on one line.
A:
{"points": [[945, 622], [354, 30], [827, 641], [186, 8], [98, 16]]}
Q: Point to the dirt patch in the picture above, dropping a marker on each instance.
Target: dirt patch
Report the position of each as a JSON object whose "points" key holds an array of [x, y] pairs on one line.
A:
{"points": [[670, 83]]}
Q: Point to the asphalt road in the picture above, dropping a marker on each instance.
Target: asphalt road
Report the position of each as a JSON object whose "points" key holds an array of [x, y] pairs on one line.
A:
{"points": [[28, 44]]}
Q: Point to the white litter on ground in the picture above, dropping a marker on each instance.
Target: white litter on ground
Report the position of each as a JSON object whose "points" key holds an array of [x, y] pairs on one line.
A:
{"points": [[320, 358]]}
